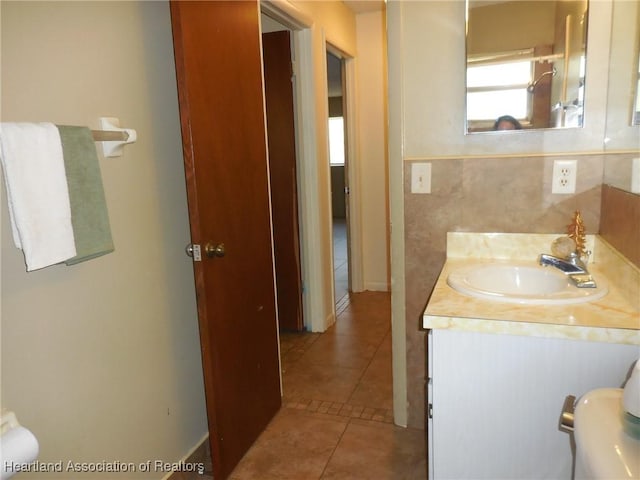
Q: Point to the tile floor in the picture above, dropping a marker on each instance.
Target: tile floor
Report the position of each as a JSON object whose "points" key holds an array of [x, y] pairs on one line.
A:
{"points": [[336, 418], [340, 258]]}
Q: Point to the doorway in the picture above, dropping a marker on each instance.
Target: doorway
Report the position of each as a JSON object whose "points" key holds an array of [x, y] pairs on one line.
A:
{"points": [[338, 164], [313, 171]]}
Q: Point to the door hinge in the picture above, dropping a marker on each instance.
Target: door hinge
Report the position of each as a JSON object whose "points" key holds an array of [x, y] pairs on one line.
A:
{"points": [[346, 190], [430, 410]]}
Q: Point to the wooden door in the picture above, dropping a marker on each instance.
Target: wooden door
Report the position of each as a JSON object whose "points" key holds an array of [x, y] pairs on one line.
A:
{"points": [[278, 74], [219, 72]]}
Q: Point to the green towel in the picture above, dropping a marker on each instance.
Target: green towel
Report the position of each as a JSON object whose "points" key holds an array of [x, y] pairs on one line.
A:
{"points": [[89, 216]]}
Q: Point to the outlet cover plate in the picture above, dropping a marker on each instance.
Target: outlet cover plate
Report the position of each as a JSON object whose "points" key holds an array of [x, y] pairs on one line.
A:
{"points": [[564, 176]]}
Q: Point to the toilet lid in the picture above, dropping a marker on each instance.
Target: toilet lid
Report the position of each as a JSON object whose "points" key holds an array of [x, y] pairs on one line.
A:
{"points": [[601, 442]]}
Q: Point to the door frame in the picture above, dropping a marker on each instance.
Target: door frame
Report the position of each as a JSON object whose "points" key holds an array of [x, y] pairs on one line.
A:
{"points": [[317, 270], [354, 225], [356, 275]]}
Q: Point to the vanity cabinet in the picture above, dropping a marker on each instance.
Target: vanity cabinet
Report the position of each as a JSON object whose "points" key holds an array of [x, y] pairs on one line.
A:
{"points": [[498, 373], [495, 401]]}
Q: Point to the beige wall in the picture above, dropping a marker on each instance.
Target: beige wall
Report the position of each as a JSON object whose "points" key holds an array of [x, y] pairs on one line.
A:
{"points": [[508, 26], [371, 90], [101, 360], [333, 20]]}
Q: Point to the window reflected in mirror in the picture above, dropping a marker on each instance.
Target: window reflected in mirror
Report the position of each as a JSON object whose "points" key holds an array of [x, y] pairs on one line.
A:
{"points": [[526, 61]]}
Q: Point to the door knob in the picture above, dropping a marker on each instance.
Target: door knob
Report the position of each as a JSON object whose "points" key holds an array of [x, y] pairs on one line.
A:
{"points": [[214, 250]]}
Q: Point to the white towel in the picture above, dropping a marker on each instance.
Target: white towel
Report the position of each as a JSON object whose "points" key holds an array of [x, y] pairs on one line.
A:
{"points": [[37, 192]]}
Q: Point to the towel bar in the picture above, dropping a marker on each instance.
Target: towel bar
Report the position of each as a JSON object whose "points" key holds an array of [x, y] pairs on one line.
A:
{"points": [[113, 137], [110, 135]]}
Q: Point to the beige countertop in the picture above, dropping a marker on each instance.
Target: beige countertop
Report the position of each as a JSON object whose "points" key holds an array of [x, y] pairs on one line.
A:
{"points": [[614, 318]]}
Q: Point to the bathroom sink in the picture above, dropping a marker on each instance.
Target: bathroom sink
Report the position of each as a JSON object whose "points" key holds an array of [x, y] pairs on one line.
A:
{"points": [[524, 283]]}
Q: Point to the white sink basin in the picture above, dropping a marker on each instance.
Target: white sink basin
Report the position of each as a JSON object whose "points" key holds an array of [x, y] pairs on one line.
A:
{"points": [[521, 283]]}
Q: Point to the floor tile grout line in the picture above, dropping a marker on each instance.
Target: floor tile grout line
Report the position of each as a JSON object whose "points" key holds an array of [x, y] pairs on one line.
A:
{"points": [[364, 371], [368, 364], [333, 451], [382, 415]]}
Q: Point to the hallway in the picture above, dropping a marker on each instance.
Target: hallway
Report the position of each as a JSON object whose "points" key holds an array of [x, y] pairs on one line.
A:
{"points": [[336, 421]]}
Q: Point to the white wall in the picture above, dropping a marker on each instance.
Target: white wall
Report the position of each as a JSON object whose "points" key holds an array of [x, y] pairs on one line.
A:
{"points": [[371, 91], [101, 360]]}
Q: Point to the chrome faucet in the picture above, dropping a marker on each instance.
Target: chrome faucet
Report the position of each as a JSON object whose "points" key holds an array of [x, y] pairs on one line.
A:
{"points": [[573, 266], [570, 265]]}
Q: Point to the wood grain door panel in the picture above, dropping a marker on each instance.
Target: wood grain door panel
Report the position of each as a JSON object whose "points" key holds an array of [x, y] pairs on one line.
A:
{"points": [[219, 72], [282, 168]]}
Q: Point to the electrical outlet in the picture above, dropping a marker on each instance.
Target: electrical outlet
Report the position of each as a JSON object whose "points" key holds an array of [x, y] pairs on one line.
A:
{"points": [[420, 178], [564, 176]]}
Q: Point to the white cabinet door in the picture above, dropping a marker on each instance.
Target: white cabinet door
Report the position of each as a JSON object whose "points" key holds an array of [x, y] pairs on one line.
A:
{"points": [[497, 400]]}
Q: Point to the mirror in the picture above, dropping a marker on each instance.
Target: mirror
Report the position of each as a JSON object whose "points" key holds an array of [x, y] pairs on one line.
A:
{"points": [[525, 60], [623, 99]]}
